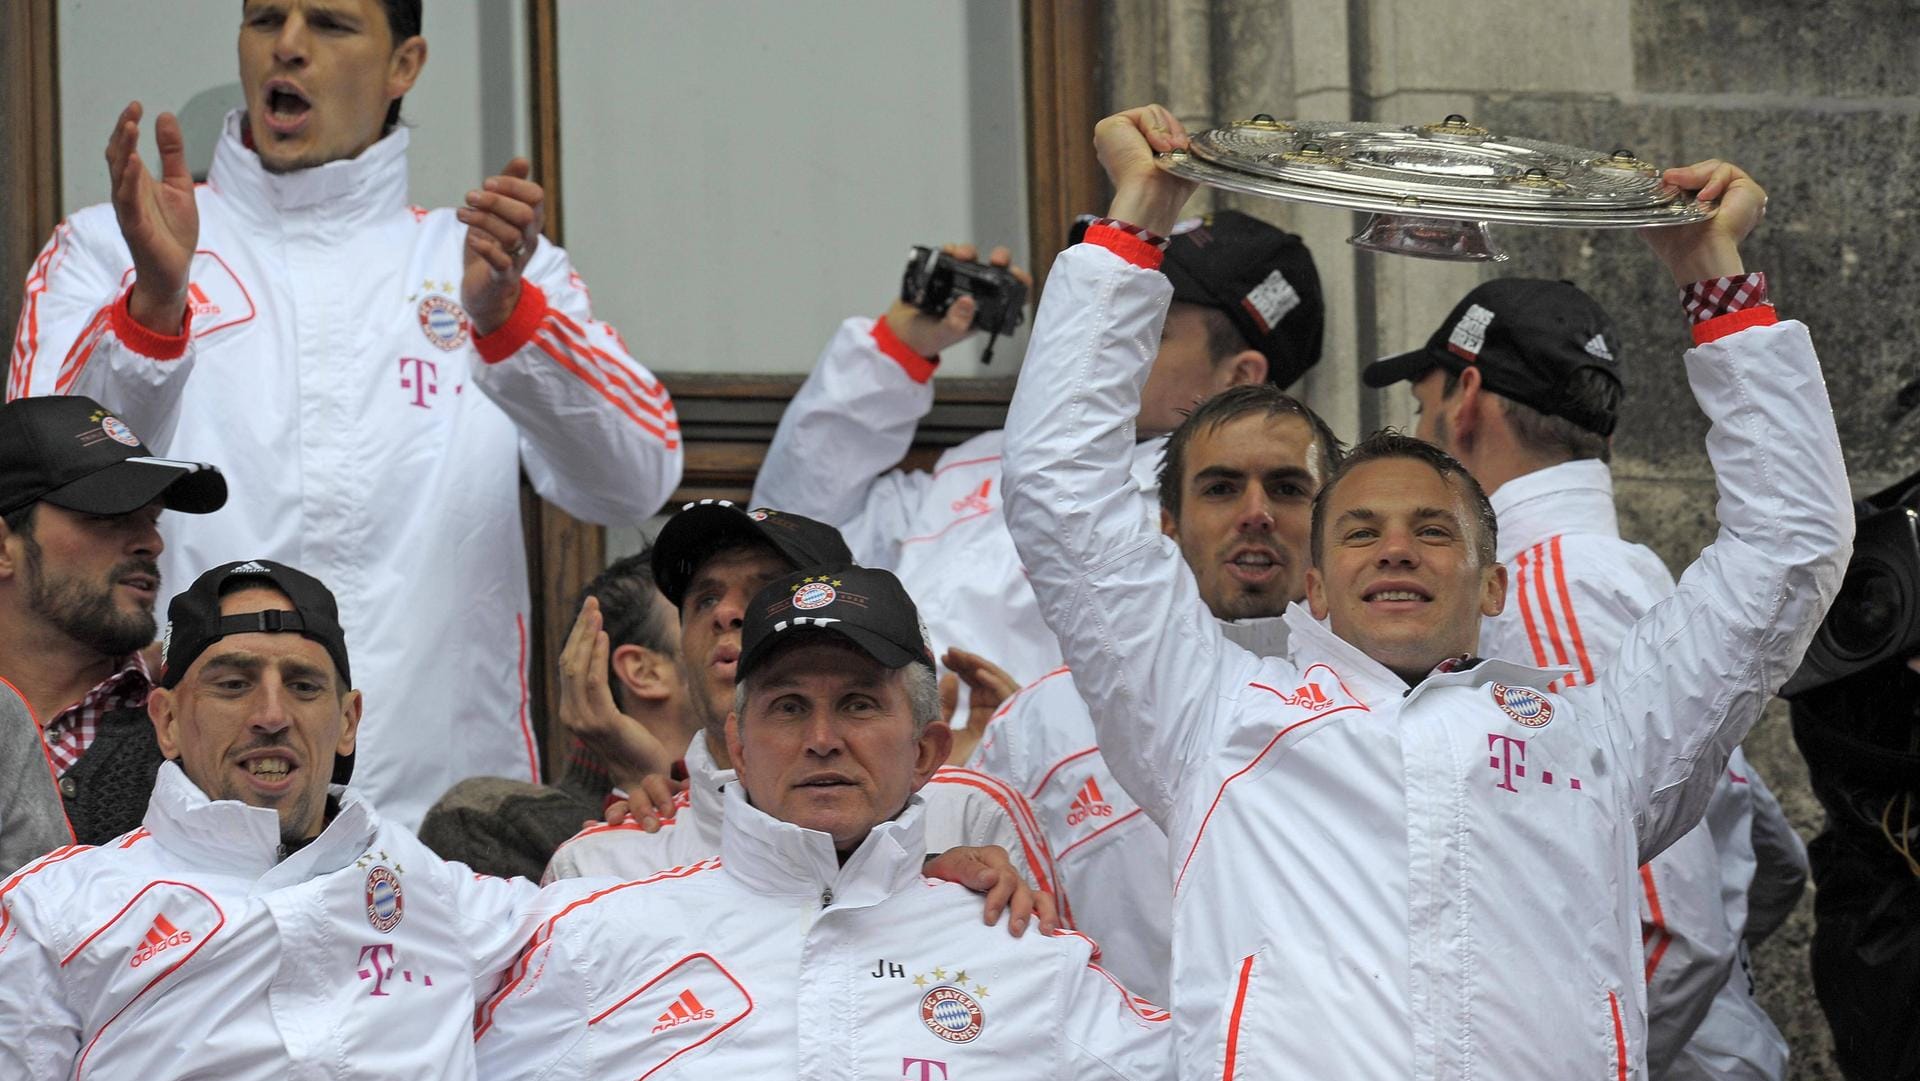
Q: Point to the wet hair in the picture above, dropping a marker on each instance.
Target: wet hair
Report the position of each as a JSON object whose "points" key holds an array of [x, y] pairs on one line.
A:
{"points": [[626, 591], [1389, 443], [1231, 404], [1588, 392]]}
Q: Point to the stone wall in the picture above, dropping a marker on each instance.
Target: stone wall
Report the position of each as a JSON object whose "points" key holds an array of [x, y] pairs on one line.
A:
{"points": [[1821, 102]]}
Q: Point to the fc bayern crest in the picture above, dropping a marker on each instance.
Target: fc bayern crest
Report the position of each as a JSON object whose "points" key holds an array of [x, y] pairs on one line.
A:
{"points": [[442, 321], [952, 1014], [757, 515], [118, 431], [813, 595], [384, 903], [1525, 705]]}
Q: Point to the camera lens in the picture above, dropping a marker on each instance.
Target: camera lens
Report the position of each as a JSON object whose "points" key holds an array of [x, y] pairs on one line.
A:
{"points": [[1870, 609]]}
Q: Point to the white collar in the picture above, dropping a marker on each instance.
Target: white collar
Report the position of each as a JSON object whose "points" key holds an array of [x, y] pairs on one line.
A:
{"points": [[1572, 497], [230, 836], [780, 859], [348, 192]]}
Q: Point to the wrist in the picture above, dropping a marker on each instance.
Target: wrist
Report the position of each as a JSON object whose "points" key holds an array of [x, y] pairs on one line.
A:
{"points": [[1718, 261], [158, 310], [910, 327], [1151, 208]]}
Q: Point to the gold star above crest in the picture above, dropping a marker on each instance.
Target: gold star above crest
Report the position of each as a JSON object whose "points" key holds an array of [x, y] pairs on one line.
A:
{"points": [[427, 286], [940, 974], [919, 981], [960, 976], [980, 990], [836, 581]]}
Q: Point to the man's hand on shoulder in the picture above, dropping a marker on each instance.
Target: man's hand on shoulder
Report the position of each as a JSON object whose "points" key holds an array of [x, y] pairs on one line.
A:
{"points": [[158, 219], [930, 335], [1143, 193], [503, 219], [988, 870], [1709, 249]]}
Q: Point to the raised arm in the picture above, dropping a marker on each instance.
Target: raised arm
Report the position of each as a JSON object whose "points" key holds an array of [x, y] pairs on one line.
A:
{"points": [[598, 434], [1143, 648], [1693, 674], [105, 312], [832, 456]]}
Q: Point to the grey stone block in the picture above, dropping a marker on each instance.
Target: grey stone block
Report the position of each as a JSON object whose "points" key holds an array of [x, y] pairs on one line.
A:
{"points": [[1835, 47]]}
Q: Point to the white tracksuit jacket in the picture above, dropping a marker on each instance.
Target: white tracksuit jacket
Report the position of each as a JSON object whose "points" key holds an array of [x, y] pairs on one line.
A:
{"points": [[1574, 590], [963, 808], [1763, 864], [943, 533], [1112, 857], [187, 948], [780, 961], [1377, 881], [367, 438]]}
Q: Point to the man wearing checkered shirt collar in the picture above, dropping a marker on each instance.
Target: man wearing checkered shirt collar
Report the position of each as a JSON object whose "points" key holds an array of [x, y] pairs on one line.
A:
{"points": [[81, 498]]}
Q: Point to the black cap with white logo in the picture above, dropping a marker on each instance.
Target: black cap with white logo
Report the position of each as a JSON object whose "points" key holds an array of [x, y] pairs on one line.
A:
{"points": [[1526, 336], [71, 452], [869, 608], [1261, 277], [194, 623], [692, 536]]}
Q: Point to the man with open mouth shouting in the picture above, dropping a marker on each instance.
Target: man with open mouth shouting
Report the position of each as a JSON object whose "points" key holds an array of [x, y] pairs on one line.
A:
{"points": [[373, 375]]}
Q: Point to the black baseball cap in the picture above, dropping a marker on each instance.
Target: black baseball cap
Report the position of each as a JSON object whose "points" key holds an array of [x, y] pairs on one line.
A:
{"points": [[194, 623], [700, 529], [868, 607], [1526, 336], [71, 452], [1260, 276]]}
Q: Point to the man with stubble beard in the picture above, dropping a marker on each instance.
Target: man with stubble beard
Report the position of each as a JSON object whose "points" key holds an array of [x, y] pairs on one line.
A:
{"points": [[80, 498], [1236, 488]]}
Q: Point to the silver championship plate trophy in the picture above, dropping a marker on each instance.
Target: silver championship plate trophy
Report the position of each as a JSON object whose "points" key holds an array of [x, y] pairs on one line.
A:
{"points": [[1433, 189]]}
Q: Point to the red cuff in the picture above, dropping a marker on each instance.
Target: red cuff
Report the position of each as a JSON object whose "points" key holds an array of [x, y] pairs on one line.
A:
{"points": [[1133, 249], [918, 368], [149, 343], [518, 330], [1733, 322]]}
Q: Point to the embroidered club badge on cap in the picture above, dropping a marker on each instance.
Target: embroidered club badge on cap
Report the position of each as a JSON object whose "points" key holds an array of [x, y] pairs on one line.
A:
{"points": [[1525, 705]]}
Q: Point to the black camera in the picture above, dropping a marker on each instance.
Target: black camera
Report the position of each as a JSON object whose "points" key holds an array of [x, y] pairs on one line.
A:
{"points": [[934, 280], [1876, 617]]}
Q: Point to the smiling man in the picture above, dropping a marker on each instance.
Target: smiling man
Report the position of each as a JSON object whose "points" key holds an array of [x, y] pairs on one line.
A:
{"points": [[812, 946], [1391, 859], [80, 499], [1522, 384], [298, 319], [1236, 494], [265, 920]]}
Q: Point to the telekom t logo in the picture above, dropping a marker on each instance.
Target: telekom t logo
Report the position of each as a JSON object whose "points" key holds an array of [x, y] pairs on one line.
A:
{"points": [[377, 965], [420, 376], [1509, 756], [926, 1068]]}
